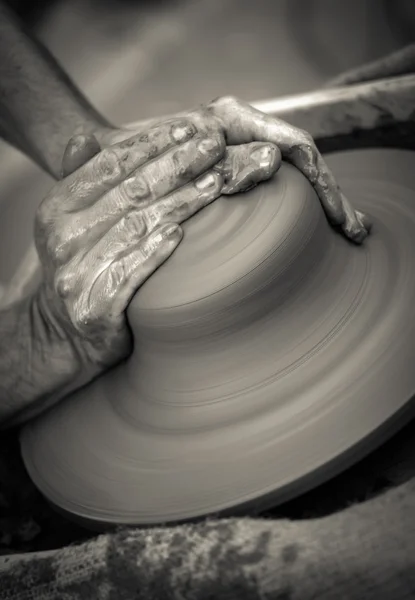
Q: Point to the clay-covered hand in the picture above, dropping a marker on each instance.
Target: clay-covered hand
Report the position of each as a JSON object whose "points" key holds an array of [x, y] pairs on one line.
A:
{"points": [[240, 123], [107, 226]]}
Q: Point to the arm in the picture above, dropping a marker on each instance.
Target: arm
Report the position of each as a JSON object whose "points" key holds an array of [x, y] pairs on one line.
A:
{"points": [[40, 107], [37, 362]]}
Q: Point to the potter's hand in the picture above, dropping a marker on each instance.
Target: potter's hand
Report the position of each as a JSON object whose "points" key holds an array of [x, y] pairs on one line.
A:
{"points": [[104, 229], [240, 123]]}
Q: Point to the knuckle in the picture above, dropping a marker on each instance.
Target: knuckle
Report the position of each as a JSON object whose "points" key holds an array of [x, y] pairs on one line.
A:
{"points": [[227, 101], [204, 119], [108, 166], [64, 284], [182, 131], [147, 144], [57, 247], [182, 162], [43, 215], [214, 145], [306, 141], [136, 188], [221, 143], [135, 224]]}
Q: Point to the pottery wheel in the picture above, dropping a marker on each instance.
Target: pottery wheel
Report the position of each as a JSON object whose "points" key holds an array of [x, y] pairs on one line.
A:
{"points": [[270, 353]]}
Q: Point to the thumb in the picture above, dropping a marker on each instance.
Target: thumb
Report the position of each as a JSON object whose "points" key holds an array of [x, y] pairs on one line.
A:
{"points": [[80, 149]]}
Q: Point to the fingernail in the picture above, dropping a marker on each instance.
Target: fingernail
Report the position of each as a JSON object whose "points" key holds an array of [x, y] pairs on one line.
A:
{"points": [[206, 182], [182, 132], [207, 145], [262, 155]]}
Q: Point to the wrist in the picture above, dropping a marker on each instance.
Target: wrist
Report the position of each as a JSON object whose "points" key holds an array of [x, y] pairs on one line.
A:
{"points": [[38, 364], [79, 360], [57, 340]]}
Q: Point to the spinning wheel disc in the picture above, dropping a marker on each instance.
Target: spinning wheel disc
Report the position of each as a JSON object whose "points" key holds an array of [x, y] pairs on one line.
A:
{"points": [[270, 353]]}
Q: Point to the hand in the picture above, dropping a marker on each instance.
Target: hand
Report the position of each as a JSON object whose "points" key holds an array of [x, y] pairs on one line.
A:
{"points": [[105, 228], [240, 123]]}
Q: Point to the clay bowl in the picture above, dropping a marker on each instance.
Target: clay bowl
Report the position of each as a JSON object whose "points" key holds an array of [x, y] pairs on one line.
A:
{"points": [[270, 353]]}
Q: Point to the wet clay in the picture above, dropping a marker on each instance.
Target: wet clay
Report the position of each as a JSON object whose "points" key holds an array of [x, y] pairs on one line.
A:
{"points": [[269, 354]]}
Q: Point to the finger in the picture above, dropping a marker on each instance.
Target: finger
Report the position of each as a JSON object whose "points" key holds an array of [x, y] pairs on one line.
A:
{"points": [[112, 165], [117, 282], [180, 205], [80, 149], [244, 166], [337, 207], [241, 124], [135, 225], [154, 181], [175, 168]]}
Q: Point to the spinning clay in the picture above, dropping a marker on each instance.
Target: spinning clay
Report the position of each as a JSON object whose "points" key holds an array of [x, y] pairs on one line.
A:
{"points": [[269, 354]]}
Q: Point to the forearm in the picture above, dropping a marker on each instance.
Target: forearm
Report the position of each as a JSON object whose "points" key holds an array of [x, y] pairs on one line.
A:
{"points": [[38, 365], [40, 107]]}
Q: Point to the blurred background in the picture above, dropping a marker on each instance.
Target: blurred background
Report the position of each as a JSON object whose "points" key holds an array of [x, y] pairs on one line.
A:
{"points": [[139, 58], [143, 58]]}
